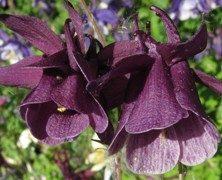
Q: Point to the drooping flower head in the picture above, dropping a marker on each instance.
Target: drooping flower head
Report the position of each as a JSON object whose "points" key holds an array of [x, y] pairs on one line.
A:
{"points": [[162, 120], [58, 108]]}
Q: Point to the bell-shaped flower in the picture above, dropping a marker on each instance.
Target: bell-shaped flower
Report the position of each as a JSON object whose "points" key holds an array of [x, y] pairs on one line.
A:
{"points": [[162, 120], [58, 108]]}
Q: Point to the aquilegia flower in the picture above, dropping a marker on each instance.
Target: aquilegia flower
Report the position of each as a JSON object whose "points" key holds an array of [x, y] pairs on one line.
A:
{"points": [[185, 9], [58, 108], [12, 48], [162, 120]]}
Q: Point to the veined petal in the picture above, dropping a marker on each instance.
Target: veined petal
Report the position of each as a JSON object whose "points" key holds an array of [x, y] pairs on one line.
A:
{"points": [[21, 76], [209, 81], [116, 89], [37, 116], [198, 140], [35, 31], [185, 89], [66, 125], [58, 60], [42, 93], [120, 50], [153, 152], [156, 107], [52, 141], [77, 23], [136, 84], [71, 94], [124, 66], [171, 31], [173, 53]]}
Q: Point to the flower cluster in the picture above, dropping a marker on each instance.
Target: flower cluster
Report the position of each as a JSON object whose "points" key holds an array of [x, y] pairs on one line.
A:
{"points": [[162, 120]]}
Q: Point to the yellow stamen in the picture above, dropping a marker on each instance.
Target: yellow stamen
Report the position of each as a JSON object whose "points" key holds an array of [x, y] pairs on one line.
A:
{"points": [[61, 109]]}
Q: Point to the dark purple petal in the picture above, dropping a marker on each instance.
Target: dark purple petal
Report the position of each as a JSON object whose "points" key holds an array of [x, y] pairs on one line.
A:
{"points": [[173, 53], [154, 152], [52, 142], [35, 31], [71, 94], [98, 118], [66, 125], [171, 31], [18, 75], [120, 50], [37, 116], [185, 89], [57, 60], [198, 140], [77, 23], [209, 81], [76, 59], [136, 84], [156, 106], [116, 89], [124, 66], [42, 93]]}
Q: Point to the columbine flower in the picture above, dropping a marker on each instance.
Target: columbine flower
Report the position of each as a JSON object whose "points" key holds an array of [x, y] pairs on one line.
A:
{"points": [[46, 6], [216, 43], [12, 48], [58, 108], [185, 9], [162, 120]]}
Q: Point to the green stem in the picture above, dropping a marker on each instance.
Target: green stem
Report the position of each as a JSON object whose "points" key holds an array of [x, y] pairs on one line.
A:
{"points": [[117, 167], [93, 21], [180, 167]]}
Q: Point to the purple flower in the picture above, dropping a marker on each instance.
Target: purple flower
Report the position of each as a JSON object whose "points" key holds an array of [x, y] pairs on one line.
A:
{"points": [[46, 6], [216, 43], [162, 120], [186, 9], [3, 3], [59, 108], [12, 48]]}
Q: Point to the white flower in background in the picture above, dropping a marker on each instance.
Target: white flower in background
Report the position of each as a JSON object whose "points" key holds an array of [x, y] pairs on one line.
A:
{"points": [[100, 159], [25, 139]]}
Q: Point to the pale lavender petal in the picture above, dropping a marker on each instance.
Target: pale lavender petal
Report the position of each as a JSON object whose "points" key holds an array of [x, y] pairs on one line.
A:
{"points": [[156, 107], [153, 152], [66, 125], [35, 31], [209, 81], [198, 140]]}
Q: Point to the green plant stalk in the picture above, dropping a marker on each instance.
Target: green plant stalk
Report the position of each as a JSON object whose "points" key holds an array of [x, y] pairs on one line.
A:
{"points": [[93, 21]]}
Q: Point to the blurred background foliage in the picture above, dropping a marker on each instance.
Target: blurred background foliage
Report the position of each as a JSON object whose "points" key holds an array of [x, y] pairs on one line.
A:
{"points": [[69, 161]]}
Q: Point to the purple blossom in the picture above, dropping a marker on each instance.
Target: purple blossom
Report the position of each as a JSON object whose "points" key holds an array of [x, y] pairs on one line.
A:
{"points": [[185, 9], [45, 6], [12, 48], [59, 108], [216, 43], [162, 120], [3, 3], [3, 99]]}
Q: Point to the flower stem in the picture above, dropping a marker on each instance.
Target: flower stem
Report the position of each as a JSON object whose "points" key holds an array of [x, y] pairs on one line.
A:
{"points": [[117, 167], [180, 167], [93, 21]]}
